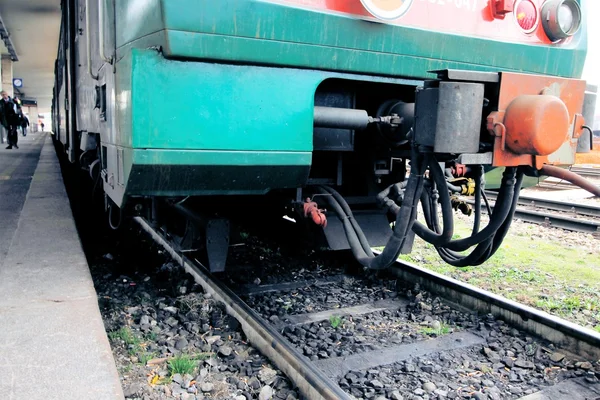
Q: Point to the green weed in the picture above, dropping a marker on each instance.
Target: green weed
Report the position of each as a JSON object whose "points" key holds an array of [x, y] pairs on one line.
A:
{"points": [[335, 321], [182, 364], [444, 329], [131, 341]]}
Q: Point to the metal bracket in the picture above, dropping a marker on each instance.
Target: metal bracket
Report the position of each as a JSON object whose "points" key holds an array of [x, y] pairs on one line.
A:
{"points": [[501, 7]]}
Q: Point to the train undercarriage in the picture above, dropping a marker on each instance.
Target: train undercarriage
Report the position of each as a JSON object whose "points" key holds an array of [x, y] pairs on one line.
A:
{"points": [[385, 153]]}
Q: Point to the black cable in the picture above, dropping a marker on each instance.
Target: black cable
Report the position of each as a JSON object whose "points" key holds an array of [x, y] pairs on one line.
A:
{"points": [[404, 219], [479, 188], [498, 216], [487, 248]]}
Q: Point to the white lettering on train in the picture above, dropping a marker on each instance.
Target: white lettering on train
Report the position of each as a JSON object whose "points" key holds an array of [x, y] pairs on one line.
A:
{"points": [[469, 5]]}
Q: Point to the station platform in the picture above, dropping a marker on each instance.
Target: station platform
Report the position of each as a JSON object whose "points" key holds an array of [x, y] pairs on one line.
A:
{"points": [[53, 344]]}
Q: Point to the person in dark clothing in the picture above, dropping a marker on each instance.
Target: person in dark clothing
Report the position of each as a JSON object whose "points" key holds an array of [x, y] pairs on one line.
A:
{"points": [[9, 119], [24, 125]]}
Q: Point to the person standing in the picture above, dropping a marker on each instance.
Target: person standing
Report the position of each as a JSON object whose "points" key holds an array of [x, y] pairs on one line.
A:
{"points": [[9, 119], [24, 124]]}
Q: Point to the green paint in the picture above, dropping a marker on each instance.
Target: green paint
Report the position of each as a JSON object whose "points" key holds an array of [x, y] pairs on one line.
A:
{"points": [[220, 107], [212, 157], [257, 32], [202, 114]]}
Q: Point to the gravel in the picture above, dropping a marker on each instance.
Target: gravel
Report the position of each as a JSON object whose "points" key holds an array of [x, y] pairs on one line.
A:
{"points": [[508, 366], [270, 260], [156, 315], [349, 292], [371, 331]]}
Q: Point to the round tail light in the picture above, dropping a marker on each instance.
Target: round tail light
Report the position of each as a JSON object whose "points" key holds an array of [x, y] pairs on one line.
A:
{"points": [[561, 18], [526, 14]]}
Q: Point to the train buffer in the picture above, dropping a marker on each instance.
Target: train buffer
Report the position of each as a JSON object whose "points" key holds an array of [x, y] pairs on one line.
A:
{"points": [[53, 344]]}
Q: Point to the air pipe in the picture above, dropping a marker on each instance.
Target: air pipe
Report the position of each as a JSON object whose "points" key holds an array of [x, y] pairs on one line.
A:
{"points": [[340, 118], [572, 177]]}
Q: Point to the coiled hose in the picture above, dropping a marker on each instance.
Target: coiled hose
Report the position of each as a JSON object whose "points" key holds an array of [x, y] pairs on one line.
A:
{"points": [[487, 240]]}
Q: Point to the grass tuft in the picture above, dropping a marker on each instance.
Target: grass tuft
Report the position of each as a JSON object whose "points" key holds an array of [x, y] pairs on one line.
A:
{"points": [[131, 341], [444, 329], [182, 364], [335, 321]]}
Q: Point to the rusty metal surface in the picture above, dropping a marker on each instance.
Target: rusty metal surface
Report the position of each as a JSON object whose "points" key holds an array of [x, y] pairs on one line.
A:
{"points": [[570, 91], [536, 125]]}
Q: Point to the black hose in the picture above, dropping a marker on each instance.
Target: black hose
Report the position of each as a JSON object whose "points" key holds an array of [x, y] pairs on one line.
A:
{"points": [[498, 216], [487, 202], [436, 173], [487, 248], [479, 188], [404, 220], [353, 240], [454, 188], [350, 217]]}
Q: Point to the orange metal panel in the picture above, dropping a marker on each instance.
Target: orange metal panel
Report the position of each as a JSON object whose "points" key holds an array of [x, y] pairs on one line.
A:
{"points": [[513, 85]]}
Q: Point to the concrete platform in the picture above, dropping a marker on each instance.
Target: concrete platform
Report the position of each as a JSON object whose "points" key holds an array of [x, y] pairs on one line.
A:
{"points": [[53, 344]]}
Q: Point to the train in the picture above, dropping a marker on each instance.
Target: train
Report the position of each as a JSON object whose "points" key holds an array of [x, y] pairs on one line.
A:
{"points": [[348, 118]]}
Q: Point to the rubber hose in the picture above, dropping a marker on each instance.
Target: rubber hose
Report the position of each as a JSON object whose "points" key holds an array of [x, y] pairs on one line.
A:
{"points": [[351, 236], [572, 177], [498, 216], [486, 249], [357, 229], [479, 187], [438, 239], [405, 218], [453, 188]]}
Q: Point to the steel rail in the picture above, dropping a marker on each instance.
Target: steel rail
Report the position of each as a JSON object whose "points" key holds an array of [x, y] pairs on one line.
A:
{"points": [[311, 382], [553, 220], [567, 335], [586, 171], [314, 384], [579, 209]]}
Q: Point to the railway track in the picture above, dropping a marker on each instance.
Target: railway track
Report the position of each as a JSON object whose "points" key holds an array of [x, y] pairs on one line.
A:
{"points": [[558, 184], [583, 171], [295, 341], [574, 217]]}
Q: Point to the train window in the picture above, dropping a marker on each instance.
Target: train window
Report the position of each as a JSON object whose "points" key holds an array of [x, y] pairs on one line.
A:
{"points": [[103, 102], [104, 157]]}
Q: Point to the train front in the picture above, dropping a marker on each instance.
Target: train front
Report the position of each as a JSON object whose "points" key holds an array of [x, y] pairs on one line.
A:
{"points": [[518, 107], [361, 113]]}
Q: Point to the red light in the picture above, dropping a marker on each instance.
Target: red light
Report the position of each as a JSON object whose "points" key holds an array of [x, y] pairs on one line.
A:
{"points": [[526, 14]]}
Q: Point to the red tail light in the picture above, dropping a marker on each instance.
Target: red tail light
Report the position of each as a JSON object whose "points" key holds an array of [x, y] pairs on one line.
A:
{"points": [[527, 15]]}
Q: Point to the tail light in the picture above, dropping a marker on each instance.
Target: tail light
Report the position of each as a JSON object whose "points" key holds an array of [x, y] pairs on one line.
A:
{"points": [[526, 14], [561, 18]]}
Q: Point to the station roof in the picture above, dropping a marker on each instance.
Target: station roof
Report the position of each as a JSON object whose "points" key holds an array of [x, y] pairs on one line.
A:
{"points": [[33, 27]]}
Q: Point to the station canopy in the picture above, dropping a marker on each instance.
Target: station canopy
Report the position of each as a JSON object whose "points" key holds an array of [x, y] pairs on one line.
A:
{"points": [[32, 27]]}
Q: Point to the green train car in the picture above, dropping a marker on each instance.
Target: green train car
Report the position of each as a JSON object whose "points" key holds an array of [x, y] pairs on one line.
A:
{"points": [[365, 108]]}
